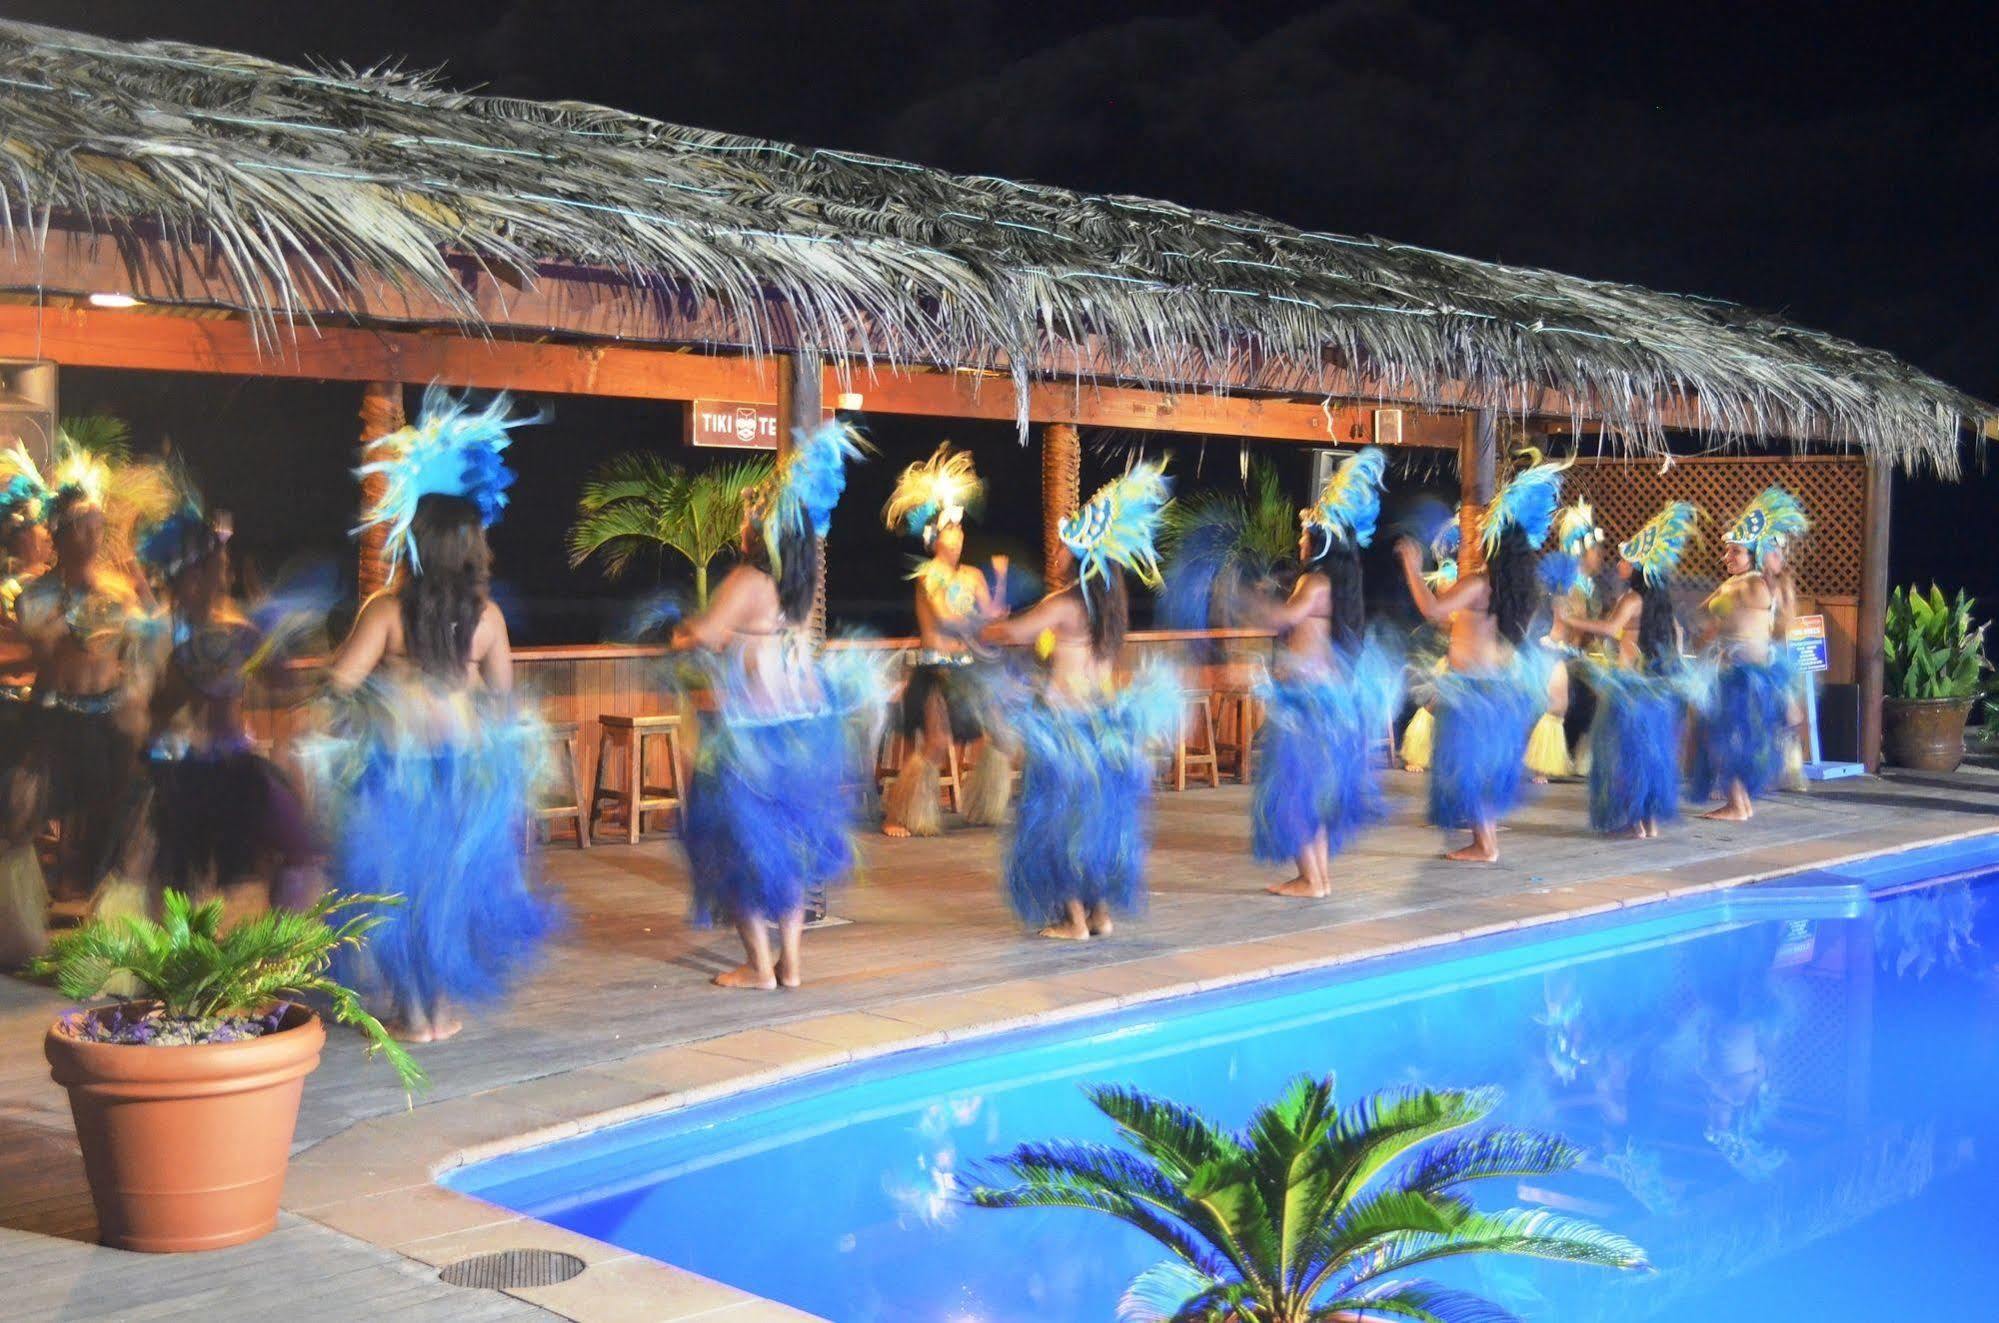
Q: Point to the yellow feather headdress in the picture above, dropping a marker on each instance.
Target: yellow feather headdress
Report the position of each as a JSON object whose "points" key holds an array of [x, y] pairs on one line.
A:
{"points": [[933, 493]]}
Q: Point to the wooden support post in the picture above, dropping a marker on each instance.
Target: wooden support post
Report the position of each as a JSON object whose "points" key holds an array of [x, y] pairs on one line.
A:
{"points": [[799, 409], [1867, 661], [1478, 476], [381, 414], [1061, 493]]}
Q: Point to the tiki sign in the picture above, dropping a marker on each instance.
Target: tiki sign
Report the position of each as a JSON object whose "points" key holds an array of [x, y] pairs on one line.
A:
{"points": [[732, 425]]}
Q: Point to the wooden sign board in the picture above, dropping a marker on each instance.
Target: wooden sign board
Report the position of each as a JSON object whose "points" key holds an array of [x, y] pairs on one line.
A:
{"points": [[732, 425]]}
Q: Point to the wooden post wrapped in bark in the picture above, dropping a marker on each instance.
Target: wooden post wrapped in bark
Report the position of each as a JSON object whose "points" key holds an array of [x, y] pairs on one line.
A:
{"points": [[1478, 474], [1061, 493], [1868, 661], [799, 409], [381, 414]]}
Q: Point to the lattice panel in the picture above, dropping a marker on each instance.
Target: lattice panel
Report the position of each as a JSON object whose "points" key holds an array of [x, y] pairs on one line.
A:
{"points": [[1832, 488]]}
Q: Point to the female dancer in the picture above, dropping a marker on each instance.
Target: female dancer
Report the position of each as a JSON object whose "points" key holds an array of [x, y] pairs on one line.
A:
{"points": [[220, 811], [24, 554], [770, 810], [1570, 574], [1332, 693], [428, 771], [1634, 780], [1742, 750], [1419, 737], [947, 696], [1077, 854], [1488, 701]]}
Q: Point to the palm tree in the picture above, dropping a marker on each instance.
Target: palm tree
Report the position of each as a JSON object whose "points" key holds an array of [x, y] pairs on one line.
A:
{"points": [[637, 503], [1214, 540], [105, 435], [1311, 1214]]}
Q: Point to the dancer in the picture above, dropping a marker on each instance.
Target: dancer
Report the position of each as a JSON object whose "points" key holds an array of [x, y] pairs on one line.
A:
{"points": [[1571, 574], [948, 694], [220, 812], [1741, 754], [1488, 701], [85, 620], [1077, 853], [427, 770], [1634, 779], [770, 807], [24, 554], [1419, 737], [1332, 692]]}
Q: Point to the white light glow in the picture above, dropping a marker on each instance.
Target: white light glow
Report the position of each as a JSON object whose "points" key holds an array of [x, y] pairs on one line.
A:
{"points": [[113, 301], [850, 402]]}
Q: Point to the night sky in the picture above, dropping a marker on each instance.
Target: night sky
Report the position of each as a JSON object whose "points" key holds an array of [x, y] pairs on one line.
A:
{"points": [[1839, 168]]}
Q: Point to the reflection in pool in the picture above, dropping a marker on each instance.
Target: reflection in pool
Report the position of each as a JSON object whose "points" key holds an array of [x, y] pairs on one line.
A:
{"points": [[1787, 1098]]}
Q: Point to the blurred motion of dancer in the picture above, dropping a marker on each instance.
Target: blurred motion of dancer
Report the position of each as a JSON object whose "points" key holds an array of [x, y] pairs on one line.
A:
{"points": [[1078, 847], [1572, 573], [1431, 659], [24, 554], [427, 770]]}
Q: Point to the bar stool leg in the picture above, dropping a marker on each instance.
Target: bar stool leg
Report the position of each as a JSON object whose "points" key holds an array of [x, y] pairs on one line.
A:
{"points": [[576, 789], [1214, 748], [597, 776], [634, 786]]}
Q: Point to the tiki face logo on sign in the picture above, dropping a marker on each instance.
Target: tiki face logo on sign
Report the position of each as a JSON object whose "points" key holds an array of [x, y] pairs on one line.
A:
{"points": [[746, 425]]}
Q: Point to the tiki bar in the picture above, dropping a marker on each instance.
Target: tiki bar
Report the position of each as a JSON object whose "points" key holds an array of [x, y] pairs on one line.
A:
{"points": [[171, 209]]}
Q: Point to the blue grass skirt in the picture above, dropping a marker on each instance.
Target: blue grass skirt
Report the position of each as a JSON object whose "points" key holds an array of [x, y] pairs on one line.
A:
{"points": [[1483, 722], [773, 799], [1315, 753], [1081, 822], [1635, 744], [441, 823], [1747, 724]]}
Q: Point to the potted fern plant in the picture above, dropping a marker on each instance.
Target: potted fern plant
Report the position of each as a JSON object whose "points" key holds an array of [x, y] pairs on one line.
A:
{"points": [[1311, 1212], [1933, 658], [185, 1098]]}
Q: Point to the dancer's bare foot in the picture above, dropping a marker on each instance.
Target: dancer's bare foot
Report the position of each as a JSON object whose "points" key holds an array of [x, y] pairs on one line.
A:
{"points": [[408, 1033], [443, 1029], [1100, 924], [788, 974], [1727, 813], [747, 976], [895, 831], [1475, 853], [1297, 886], [1635, 832], [1069, 930]]}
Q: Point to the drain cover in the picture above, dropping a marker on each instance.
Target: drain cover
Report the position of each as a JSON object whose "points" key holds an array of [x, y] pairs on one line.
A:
{"points": [[511, 1269]]}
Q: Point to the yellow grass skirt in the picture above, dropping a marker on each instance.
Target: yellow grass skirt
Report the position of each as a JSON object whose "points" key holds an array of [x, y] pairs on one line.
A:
{"points": [[1548, 749], [1419, 740]]}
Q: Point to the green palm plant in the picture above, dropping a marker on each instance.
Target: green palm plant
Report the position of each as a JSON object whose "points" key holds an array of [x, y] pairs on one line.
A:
{"points": [[1258, 526], [637, 503], [1930, 647], [201, 974], [1312, 1214], [105, 435]]}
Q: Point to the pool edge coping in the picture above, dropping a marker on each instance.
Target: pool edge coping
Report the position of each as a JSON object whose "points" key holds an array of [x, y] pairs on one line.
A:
{"points": [[377, 1180]]}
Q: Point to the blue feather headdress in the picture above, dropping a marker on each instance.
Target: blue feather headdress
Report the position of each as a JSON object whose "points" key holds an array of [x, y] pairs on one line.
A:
{"points": [[1576, 529], [451, 450], [178, 541], [1527, 502], [1116, 526], [1444, 545], [24, 497], [801, 493], [1655, 550], [1351, 502], [1772, 520], [933, 493]]}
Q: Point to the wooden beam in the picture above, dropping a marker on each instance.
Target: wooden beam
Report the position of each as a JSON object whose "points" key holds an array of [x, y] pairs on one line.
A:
{"points": [[1868, 660]]}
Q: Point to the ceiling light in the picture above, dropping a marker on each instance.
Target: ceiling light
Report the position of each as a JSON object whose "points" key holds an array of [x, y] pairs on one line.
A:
{"points": [[113, 301]]}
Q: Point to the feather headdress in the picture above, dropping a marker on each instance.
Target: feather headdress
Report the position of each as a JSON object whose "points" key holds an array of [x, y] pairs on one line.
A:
{"points": [[802, 491], [1772, 520], [1576, 529], [1655, 550], [451, 450], [1527, 502], [1116, 526], [933, 493], [1351, 502], [1444, 546], [24, 497]]}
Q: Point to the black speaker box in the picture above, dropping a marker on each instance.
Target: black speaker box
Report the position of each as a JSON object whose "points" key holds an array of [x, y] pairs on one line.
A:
{"points": [[1839, 723]]}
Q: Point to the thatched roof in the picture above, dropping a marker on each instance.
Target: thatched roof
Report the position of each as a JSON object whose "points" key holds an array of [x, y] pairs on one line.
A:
{"points": [[305, 183]]}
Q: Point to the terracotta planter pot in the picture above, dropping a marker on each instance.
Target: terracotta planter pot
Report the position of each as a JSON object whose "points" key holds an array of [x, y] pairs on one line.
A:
{"points": [[186, 1147], [1924, 733]]}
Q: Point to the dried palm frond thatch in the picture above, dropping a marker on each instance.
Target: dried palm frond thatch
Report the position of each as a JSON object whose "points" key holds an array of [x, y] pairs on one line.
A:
{"points": [[304, 184]]}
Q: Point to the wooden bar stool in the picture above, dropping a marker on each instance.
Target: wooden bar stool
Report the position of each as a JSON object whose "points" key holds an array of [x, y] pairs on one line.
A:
{"points": [[1235, 731], [895, 747], [626, 737], [563, 735], [1196, 746]]}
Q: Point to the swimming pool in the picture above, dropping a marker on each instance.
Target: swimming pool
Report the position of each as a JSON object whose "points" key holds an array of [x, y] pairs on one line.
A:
{"points": [[1786, 1092]]}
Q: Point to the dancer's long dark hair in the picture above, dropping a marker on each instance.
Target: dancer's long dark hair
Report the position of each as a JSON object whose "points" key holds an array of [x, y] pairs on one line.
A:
{"points": [[1511, 572], [798, 582], [1340, 563], [1108, 606], [445, 591], [1658, 631]]}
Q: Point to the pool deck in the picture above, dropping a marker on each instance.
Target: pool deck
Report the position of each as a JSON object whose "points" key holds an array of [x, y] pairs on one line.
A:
{"points": [[622, 1024]]}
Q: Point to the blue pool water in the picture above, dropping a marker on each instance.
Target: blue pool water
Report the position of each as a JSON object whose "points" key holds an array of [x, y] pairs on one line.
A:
{"points": [[1787, 1096]]}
